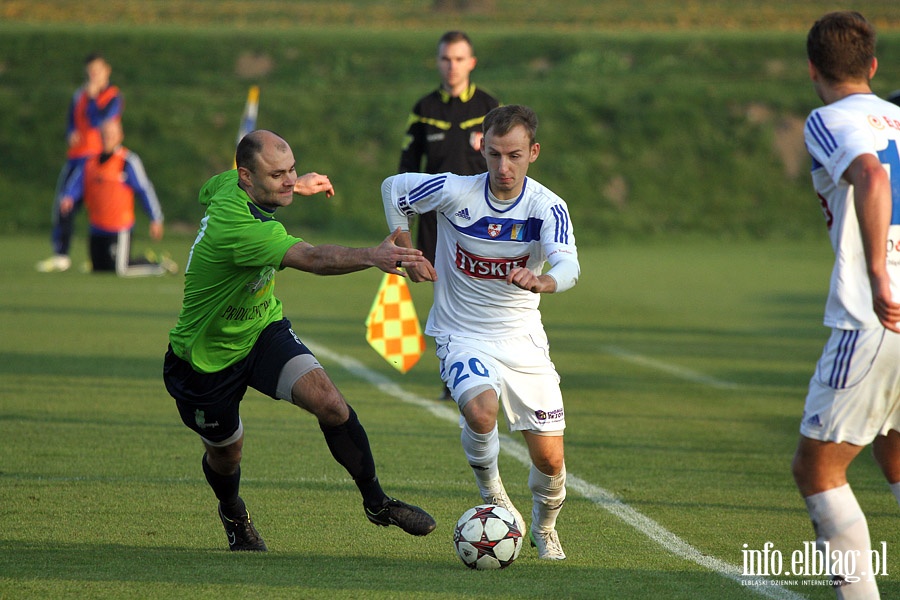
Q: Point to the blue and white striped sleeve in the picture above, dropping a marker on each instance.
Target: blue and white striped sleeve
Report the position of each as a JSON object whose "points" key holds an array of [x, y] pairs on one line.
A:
{"points": [[562, 253], [136, 178], [834, 140], [408, 194]]}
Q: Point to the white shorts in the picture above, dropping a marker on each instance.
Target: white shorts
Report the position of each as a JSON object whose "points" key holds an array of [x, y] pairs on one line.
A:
{"points": [[854, 394], [519, 370]]}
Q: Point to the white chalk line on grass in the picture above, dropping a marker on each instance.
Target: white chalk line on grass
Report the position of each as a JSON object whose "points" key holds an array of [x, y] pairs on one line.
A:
{"points": [[679, 372], [599, 496]]}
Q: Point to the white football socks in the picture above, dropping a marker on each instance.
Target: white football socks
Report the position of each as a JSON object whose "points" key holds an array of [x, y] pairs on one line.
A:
{"points": [[482, 451], [549, 493], [839, 521]]}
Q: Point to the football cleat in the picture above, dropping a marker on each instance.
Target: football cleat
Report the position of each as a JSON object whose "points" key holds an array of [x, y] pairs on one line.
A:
{"points": [[411, 519], [501, 499], [56, 263], [547, 544], [242, 535], [166, 262]]}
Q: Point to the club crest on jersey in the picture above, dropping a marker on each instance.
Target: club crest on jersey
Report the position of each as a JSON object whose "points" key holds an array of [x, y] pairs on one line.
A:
{"points": [[494, 229], [482, 267]]}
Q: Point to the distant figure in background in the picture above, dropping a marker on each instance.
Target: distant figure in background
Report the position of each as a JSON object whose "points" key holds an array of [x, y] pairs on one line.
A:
{"points": [[854, 394], [93, 104], [894, 97], [445, 129], [107, 184]]}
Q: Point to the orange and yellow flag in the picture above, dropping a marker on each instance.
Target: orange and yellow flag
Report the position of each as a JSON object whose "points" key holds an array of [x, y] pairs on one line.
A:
{"points": [[392, 327]]}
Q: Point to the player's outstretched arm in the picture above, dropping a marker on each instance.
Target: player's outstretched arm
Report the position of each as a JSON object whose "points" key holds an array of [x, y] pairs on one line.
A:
{"points": [[421, 271], [330, 259], [313, 183]]}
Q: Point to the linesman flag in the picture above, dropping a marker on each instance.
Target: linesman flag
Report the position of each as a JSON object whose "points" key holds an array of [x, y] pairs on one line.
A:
{"points": [[392, 327], [248, 118]]}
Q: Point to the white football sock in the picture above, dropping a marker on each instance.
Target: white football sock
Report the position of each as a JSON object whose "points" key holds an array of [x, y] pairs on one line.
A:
{"points": [[838, 520], [482, 451], [548, 493]]}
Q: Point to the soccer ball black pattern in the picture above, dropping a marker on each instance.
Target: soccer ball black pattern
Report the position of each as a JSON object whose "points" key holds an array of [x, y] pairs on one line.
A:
{"points": [[486, 537]]}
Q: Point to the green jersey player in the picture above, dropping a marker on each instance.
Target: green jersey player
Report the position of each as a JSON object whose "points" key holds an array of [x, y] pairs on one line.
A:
{"points": [[231, 332]]}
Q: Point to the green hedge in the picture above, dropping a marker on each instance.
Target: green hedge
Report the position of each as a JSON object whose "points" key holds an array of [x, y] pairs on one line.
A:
{"points": [[642, 134]]}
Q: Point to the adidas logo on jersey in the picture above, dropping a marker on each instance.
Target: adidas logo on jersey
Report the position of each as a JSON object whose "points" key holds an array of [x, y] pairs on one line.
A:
{"points": [[463, 214]]}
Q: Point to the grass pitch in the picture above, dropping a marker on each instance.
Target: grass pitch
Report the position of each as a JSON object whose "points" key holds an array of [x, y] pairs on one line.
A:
{"points": [[684, 368]]}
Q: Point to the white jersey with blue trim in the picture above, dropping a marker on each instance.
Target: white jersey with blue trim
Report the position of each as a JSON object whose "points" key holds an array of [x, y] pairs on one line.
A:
{"points": [[480, 239], [836, 134]]}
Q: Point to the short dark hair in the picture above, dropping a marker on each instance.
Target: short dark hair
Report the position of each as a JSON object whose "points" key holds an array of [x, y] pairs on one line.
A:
{"points": [[92, 57], [251, 146], [451, 37], [247, 150], [841, 46], [503, 118]]}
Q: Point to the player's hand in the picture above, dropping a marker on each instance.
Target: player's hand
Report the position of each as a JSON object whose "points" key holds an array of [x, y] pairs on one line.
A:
{"points": [[526, 279], [886, 309], [313, 183], [422, 271], [391, 258], [66, 205], [156, 230]]}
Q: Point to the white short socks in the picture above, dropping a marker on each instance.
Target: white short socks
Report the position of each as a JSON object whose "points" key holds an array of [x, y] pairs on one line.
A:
{"points": [[482, 451], [548, 493], [839, 521]]}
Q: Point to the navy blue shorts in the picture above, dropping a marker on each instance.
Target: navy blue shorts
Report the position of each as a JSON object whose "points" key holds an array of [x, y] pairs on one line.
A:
{"points": [[209, 402]]}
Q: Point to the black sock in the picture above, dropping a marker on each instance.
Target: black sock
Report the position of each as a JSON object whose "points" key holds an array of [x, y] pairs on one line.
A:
{"points": [[226, 489], [349, 445]]}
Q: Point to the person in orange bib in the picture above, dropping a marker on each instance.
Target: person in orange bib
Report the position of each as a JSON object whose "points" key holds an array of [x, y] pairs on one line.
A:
{"points": [[107, 185], [92, 104]]}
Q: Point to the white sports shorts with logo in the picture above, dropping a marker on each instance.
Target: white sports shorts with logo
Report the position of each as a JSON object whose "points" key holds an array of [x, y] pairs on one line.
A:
{"points": [[854, 394], [519, 370]]}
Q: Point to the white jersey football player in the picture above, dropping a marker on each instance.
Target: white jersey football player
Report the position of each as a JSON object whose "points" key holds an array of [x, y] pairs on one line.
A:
{"points": [[496, 231], [854, 395]]}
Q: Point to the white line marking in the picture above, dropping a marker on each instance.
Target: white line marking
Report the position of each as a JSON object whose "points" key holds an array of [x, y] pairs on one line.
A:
{"points": [[680, 372], [599, 496]]}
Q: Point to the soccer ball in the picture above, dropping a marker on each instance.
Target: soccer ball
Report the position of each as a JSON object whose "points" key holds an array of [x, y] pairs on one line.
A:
{"points": [[486, 537]]}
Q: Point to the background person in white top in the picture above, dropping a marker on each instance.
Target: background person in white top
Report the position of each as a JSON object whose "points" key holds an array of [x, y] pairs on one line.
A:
{"points": [[854, 395], [496, 231]]}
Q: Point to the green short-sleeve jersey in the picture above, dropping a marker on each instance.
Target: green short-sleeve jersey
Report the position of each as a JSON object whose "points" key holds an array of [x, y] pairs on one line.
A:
{"points": [[229, 288]]}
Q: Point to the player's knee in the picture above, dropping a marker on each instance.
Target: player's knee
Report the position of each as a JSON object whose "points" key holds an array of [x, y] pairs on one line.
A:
{"points": [[549, 465], [481, 413], [330, 409], [481, 421], [316, 393], [224, 460]]}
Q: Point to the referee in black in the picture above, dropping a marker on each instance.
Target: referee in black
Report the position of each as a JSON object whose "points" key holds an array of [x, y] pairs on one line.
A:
{"points": [[444, 129]]}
